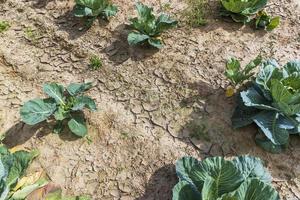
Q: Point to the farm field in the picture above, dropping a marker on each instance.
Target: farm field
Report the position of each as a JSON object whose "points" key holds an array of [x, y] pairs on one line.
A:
{"points": [[154, 106]]}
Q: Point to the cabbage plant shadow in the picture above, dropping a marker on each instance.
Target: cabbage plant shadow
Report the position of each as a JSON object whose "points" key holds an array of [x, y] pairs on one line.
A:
{"points": [[41, 3], [119, 51], [75, 26], [21, 133], [208, 129], [160, 184]]}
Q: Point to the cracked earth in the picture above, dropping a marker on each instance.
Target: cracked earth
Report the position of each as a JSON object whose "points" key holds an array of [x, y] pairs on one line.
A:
{"points": [[150, 102]]}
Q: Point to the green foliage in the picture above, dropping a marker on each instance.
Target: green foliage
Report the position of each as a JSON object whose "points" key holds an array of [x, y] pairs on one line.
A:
{"points": [[196, 12], [273, 104], [237, 75], [247, 11], [243, 178], [242, 10], [95, 63], [64, 104], [95, 8], [147, 28], [32, 35], [12, 168], [4, 26], [266, 22]]}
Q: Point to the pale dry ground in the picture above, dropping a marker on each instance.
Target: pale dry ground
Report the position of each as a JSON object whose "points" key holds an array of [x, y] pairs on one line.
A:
{"points": [[144, 97]]}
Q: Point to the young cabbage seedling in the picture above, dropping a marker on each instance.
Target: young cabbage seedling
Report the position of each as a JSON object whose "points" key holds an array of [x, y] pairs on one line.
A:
{"points": [[64, 104], [4, 26], [147, 28], [238, 76], [266, 22], [91, 9]]}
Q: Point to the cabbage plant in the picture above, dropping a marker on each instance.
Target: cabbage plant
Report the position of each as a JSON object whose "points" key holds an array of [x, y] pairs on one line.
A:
{"points": [[242, 178], [94, 8], [273, 104], [147, 28], [242, 10], [63, 104], [238, 76]]}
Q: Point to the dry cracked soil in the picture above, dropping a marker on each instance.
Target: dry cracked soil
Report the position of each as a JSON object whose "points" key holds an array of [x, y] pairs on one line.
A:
{"points": [[150, 102]]}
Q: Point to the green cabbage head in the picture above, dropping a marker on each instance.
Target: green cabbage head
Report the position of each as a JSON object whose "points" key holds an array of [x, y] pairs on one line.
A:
{"points": [[242, 10]]}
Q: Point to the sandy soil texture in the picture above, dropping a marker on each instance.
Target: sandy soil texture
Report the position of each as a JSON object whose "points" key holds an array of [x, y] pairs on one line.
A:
{"points": [[150, 102]]}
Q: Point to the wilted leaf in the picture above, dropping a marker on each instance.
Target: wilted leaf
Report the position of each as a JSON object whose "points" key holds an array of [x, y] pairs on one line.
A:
{"points": [[28, 180], [21, 161], [230, 91], [26, 190], [47, 192], [18, 148]]}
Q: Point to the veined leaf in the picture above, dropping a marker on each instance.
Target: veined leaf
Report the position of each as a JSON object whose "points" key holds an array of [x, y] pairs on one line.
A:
{"points": [[77, 88], [243, 178], [184, 168], [144, 12], [268, 123], [244, 7], [147, 28], [84, 101], [183, 191], [136, 38], [252, 167], [279, 92], [252, 98], [291, 68], [243, 116], [93, 8], [77, 126], [110, 11], [254, 189], [262, 141], [265, 74], [55, 91], [222, 171], [164, 22], [210, 189], [155, 43], [37, 110]]}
